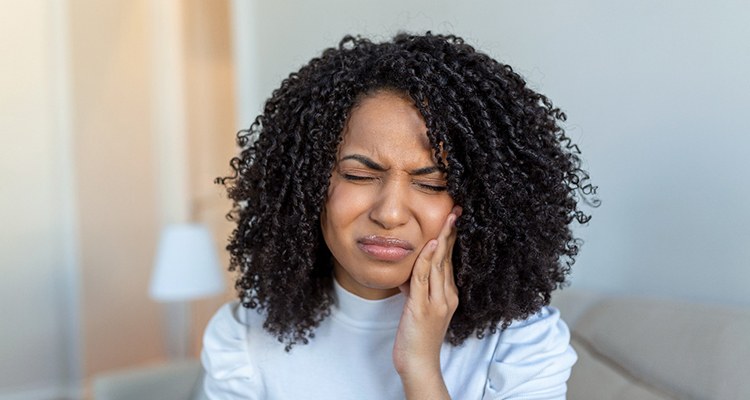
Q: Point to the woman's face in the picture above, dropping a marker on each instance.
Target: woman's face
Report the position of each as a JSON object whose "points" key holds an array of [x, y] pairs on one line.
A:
{"points": [[387, 196]]}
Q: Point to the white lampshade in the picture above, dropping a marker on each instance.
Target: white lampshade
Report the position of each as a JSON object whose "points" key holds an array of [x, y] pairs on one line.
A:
{"points": [[186, 266]]}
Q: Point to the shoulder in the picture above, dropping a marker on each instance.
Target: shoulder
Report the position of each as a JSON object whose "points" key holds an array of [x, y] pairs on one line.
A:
{"points": [[230, 372], [532, 359]]}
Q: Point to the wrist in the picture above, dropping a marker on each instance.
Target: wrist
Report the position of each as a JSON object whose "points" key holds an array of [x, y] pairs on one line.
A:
{"points": [[420, 373], [416, 367], [424, 384]]}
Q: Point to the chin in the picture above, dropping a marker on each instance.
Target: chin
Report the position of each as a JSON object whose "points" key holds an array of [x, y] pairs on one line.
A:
{"points": [[370, 275], [385, 281]]}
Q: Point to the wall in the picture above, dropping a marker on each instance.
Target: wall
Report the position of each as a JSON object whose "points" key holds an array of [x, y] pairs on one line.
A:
{"points": [[93, 146], [210, 88], [37, 300], [655, 93], [116, 183], [149, 79]]}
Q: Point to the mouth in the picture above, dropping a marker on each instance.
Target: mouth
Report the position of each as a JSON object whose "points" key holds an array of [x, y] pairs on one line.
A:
{"points": [[385, 248]]}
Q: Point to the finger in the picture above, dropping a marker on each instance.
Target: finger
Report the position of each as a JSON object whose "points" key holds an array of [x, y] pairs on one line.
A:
{"points": [[437, 274], [457, 211], [450, 283], [420, 274], [440, 259]]}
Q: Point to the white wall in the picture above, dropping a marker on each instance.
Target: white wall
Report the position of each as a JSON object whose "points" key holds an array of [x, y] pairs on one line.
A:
{"points": [[83, 103], [656, 94], [38, 309]]}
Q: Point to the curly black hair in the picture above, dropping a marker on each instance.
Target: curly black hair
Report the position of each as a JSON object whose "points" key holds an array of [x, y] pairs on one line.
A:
{"points": [[511, 167]]}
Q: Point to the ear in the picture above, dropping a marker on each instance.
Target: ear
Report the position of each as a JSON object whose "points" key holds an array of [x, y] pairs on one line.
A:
{"points": [[443, 154]]}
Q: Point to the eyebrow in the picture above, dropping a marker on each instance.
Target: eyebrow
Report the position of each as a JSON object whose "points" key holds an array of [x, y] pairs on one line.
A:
{"points": [[369, 163]]}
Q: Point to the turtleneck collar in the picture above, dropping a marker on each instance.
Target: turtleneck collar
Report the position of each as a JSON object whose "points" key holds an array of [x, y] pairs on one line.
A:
{"points": [[363, 313]]}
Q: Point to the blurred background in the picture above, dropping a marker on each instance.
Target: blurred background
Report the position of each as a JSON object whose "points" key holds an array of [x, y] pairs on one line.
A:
{"points": [[117, 115]]}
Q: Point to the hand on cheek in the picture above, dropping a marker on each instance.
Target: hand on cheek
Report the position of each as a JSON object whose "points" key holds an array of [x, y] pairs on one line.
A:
{"points": [[431, 300]]}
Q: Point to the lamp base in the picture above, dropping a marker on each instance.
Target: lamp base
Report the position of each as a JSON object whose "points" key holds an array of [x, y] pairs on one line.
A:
{"points": [[178, 330]]}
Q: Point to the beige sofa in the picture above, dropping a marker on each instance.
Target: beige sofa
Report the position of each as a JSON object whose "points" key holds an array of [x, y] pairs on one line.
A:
{"points": [[628, 348], [179, 380], [648, 349]]}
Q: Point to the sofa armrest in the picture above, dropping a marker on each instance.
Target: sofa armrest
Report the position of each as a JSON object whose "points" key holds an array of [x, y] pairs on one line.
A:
{"points": [[173, 381]]}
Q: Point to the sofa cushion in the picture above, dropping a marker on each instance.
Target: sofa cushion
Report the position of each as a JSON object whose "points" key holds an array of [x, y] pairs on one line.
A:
{"points": [[692, 351], [595, 378]]}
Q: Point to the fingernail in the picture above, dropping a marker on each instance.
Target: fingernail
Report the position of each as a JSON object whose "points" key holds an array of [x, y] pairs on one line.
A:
{"points": [[433, 244]]}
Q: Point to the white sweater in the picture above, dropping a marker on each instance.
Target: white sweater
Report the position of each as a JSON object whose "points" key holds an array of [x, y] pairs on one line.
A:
{"points": [[350, 357]]}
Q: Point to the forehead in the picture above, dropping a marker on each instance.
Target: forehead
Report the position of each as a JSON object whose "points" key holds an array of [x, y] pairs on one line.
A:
{"points": [[386, 124]]}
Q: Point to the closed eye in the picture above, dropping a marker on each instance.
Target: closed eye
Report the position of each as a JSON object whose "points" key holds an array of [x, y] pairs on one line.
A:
{"points": [[433, 188], [356, 178]]}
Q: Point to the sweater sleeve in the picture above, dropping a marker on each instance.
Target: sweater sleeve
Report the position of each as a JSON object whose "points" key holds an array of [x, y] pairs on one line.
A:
{"points": [[532, 360], [229, 370]]}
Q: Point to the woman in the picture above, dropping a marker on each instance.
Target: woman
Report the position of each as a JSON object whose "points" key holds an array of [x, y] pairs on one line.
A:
{"points": [[403, 213]]}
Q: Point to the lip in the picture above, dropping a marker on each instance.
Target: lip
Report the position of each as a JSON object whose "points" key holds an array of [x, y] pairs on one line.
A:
{"points": [[385, 248]]}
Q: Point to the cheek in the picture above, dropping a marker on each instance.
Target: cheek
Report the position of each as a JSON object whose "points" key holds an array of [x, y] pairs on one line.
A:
{"points": [[344, 203], [434, 214]]}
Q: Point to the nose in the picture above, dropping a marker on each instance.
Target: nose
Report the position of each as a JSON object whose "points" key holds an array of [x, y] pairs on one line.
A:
{"points": [[391, 209]]}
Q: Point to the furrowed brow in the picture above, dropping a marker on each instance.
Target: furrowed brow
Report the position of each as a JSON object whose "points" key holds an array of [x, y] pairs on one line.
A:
{"points": [[426, 170], [367, 162]]}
